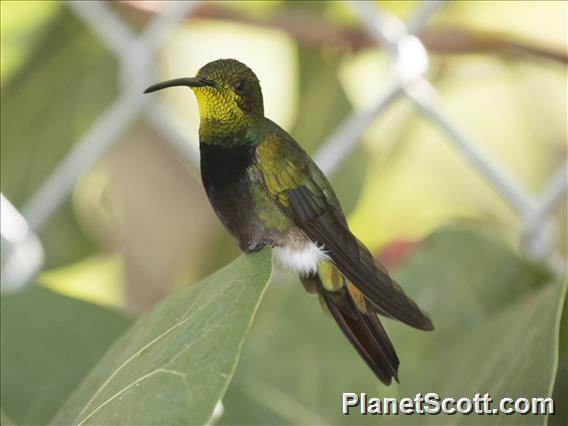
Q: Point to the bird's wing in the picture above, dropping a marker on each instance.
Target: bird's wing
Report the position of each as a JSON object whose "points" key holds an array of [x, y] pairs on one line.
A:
{"points": [[302, 192]]}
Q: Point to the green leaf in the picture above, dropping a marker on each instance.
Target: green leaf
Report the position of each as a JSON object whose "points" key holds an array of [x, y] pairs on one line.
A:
{"points": [[463, 277], [496, 321], [497, 324], [49, 343], [5, 420], [176, 362], [513, 355], [294, 366]]}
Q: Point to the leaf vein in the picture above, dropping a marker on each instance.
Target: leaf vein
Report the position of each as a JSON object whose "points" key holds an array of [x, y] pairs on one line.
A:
{"points": [[134, 383]]}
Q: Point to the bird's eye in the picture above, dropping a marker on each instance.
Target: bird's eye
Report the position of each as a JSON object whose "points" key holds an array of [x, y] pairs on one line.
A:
{"points": [[239, 86]]}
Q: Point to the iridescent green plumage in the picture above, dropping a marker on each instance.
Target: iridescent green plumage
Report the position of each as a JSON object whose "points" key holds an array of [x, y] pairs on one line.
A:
{"points": [[266, 190]]}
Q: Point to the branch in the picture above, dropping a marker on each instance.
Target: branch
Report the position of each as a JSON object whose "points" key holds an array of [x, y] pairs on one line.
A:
{"points": [[312, 31]]}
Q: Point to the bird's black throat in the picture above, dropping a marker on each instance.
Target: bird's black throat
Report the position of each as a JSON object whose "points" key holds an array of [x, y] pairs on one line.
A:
{"points": [[224, 175], [223, 166]]}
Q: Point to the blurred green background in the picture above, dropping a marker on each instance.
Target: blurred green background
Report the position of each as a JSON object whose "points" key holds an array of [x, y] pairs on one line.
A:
{"points": [[138, 226]]}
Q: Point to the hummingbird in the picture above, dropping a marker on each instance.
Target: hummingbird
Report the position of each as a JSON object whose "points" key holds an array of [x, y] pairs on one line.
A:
{"points": [[267, 191]]}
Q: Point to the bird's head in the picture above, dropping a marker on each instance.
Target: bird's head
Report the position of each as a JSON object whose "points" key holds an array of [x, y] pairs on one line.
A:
{"points": [[228, 94]]}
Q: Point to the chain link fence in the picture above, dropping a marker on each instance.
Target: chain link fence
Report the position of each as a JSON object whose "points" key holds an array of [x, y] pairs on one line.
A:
{"points": [[136, 54]]}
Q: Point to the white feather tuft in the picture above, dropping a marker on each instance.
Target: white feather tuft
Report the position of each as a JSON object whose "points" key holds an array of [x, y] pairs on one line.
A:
{"points": [[303, 260]]}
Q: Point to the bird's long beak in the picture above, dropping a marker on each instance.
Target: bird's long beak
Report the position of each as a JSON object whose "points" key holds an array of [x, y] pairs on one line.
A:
{"points": [[186, 82]]}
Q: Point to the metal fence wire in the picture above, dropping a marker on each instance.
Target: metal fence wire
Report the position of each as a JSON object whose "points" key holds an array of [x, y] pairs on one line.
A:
{"points": [[136, 54]]}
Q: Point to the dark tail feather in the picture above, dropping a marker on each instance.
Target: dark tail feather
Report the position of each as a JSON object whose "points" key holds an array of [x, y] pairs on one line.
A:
{"points": [[365, 333]]}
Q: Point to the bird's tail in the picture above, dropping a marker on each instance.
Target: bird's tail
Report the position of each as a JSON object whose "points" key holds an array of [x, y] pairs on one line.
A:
{"points": [[356, 318]]}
